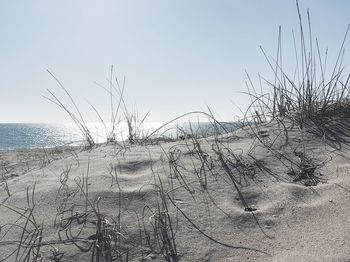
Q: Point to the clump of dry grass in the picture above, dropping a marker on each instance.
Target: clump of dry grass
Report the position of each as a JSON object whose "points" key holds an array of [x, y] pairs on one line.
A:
{"points": [[312, 93], [3, 180], [121, 112], [161, 238], [28, 246], [315, 99], [77, 117], [118, 109], [306, 172]]}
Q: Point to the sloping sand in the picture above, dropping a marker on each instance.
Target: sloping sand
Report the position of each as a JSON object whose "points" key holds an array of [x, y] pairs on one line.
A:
{"points": [[276, 214]]}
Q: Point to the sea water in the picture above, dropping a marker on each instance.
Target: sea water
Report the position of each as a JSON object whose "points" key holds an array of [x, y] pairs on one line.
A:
{"points": [[27, 136]]}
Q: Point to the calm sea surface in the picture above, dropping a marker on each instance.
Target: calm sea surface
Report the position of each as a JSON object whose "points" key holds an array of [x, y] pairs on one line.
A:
{"points": [[26, 136]]}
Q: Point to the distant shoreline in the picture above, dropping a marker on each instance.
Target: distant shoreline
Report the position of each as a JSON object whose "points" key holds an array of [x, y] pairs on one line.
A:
{"points": [[29, 136]]}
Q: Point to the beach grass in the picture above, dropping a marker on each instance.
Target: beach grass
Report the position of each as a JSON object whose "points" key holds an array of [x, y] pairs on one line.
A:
{"points": [[195, 198]]}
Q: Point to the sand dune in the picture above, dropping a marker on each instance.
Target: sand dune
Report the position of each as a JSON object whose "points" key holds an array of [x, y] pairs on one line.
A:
{"points": [[226, 198]]}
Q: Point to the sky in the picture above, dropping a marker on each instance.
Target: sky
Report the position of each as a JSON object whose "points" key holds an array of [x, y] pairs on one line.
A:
{"points": [[177, 56]]}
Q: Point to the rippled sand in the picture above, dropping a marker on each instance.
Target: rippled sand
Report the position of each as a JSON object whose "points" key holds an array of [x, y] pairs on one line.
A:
{"points": [[280, 219]]}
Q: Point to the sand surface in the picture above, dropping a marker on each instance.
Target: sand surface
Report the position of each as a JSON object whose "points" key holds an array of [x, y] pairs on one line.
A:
{"points": [[195, 187]]}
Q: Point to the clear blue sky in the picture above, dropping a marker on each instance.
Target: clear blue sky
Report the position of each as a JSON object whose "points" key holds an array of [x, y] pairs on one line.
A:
{"points": [[177, 55]]}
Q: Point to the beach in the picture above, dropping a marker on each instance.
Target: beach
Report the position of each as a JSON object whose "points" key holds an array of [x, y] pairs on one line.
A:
{"points": [[229, 197], [174, 131]]}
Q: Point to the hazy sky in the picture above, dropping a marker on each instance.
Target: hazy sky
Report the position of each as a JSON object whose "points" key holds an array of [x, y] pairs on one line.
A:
{"points": [[177, 56]]}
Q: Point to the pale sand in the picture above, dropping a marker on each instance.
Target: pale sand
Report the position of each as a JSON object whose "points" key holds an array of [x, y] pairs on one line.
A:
{"points": [[292, 222]]}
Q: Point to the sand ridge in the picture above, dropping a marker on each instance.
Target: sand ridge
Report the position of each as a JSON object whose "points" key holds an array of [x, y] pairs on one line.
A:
{"points": [[279, 219]]}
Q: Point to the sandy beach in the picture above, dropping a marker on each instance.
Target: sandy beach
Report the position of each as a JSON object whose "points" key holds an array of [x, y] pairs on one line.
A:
{"points": [[211, 131], [224, 198]]}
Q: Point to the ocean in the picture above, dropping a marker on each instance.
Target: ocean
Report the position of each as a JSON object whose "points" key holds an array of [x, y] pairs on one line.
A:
{"points": [[28, 136]]}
